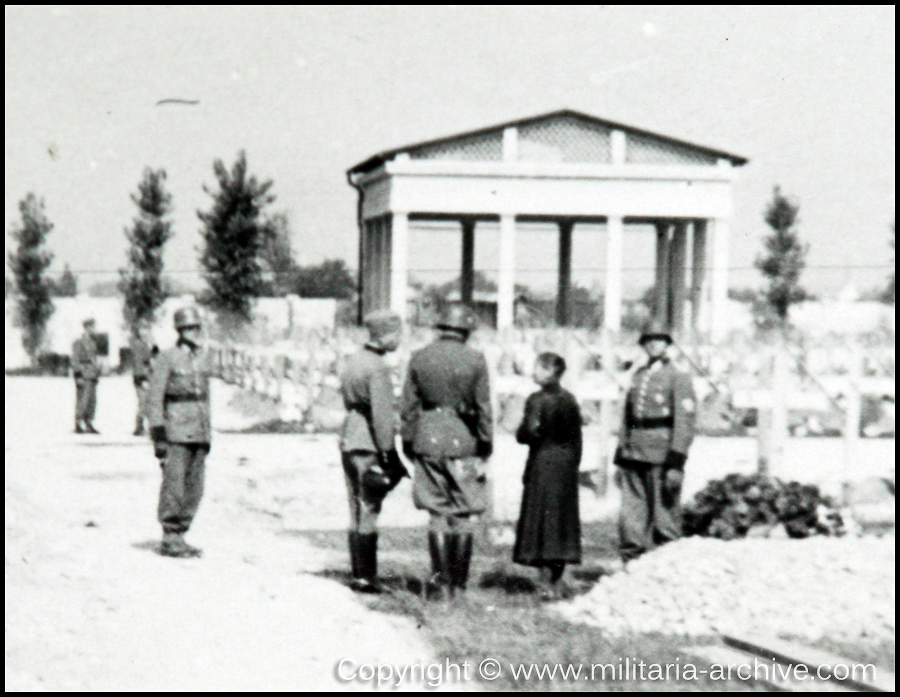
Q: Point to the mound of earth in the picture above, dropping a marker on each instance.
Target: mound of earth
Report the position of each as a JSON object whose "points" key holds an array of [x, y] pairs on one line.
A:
{"points": [[842, 588]]}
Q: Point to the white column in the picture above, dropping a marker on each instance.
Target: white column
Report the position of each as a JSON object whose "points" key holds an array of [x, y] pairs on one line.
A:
{"points": [[510, 144], [719, 281], [617, 147], [612, 304], [506, 280], [399, 250]]}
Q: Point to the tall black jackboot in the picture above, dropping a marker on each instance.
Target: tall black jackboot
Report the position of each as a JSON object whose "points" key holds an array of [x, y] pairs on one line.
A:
{"points": [[353, 544], [451, 542], [461, 561], [440, 572], [367, 561]]}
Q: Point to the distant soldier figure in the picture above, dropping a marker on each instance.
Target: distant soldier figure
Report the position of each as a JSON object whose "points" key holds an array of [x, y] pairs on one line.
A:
{"points": [[179, 416], [447, 431], [657, 431], [368, 450], [86, 368], [141, 355]]}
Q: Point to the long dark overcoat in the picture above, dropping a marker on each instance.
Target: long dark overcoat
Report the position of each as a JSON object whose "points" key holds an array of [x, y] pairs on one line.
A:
{"points": [[549, 528]]}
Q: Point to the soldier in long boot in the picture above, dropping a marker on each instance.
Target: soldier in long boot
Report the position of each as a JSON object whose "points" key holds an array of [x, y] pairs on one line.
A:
{"points": [[447, 432], [179, 416], [657, 432], [368, 451]]}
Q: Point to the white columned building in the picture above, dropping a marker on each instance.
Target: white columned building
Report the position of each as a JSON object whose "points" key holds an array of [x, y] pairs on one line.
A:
{"points": [[564, 168]]}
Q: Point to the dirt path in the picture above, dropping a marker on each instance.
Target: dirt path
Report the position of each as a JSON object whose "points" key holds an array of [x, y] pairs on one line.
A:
{"points": [[91, 606]]}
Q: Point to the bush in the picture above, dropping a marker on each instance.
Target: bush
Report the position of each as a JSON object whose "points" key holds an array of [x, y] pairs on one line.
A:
{"points": [[741, 505]]}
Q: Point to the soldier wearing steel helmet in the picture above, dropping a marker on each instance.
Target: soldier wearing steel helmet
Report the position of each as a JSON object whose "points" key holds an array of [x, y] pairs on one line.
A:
{"points": [[447, 431], [657, 431], [368, 451], [179, 417]]}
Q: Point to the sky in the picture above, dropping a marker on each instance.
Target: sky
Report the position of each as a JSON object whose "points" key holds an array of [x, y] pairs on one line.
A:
{"points": [[806, 93]]}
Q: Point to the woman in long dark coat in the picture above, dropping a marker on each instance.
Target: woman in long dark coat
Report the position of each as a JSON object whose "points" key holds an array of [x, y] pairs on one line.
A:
{"points": [[548, 534]]}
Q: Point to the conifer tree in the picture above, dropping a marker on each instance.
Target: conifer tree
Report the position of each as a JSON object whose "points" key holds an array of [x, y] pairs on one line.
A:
{"points": [[141, 281], [235, 233], [29, 264], [783, 260]]}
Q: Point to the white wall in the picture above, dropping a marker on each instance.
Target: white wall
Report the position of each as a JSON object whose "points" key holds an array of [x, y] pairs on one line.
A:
{"points": [[271, 315]]}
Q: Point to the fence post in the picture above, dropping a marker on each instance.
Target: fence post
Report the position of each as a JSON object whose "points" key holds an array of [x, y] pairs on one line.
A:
{"points": [[773, 413], [607, 415], [853, 414]]}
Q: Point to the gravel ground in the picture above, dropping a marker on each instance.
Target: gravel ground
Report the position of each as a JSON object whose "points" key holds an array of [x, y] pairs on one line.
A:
{"points": [[840, 588], [90, 606]]}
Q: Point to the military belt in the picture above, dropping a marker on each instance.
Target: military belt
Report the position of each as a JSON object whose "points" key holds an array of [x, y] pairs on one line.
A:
{"points": [[184, 398], [659, 422]]}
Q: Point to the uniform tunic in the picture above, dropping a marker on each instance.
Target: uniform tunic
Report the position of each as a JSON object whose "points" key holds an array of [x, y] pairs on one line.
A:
{"points": [[659, 416], [86, 369], [446, 419], [368, 431], [549, 527], [178, 400]]}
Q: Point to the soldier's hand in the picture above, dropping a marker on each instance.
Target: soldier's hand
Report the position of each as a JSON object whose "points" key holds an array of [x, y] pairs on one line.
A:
{"points": [[160, 442], [675, 460], [671, 485]]}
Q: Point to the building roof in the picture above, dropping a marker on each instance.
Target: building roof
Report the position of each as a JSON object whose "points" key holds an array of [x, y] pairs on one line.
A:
{"points": [[564, 114]]}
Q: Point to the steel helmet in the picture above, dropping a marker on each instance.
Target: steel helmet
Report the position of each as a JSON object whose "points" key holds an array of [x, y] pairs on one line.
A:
{"points": [[655, 329], [187, 317], [458, 317]]}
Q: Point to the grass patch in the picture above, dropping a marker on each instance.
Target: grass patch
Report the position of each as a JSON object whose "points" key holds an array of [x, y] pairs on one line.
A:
{"points": [[502, 617], [879, 653]]}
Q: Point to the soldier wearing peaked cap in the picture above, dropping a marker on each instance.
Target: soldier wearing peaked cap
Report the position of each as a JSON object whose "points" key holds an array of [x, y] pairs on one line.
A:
{"points": [[447, 431], [86, 369], [372, 467], [657, 431], [179, 417]]}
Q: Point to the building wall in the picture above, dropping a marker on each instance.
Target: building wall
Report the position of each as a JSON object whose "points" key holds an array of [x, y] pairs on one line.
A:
{"points": [[272, 316]]}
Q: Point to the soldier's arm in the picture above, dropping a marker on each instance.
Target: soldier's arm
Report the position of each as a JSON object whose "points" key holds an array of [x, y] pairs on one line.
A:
{"points": [[411, 403], [623, 428], [485, 423], [381, 398], [156, 396], [576, 429], [528, 429], [684, 409], [77, 357]]}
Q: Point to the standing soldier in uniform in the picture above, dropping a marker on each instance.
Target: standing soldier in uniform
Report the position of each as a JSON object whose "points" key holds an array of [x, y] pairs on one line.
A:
{"points": [[178, 409], [447, 431], [141, 353], [368, 451], [86, 368], [657, 431]]}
